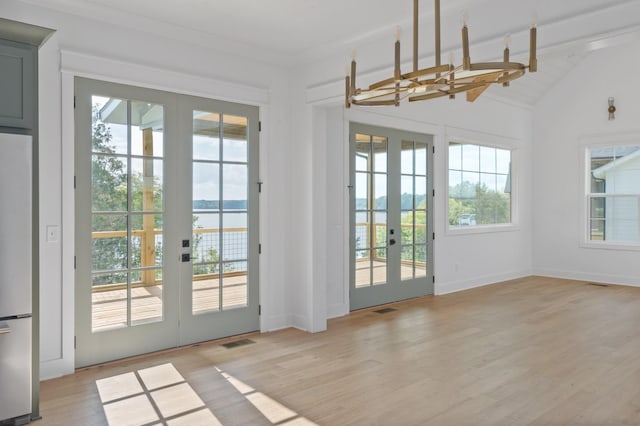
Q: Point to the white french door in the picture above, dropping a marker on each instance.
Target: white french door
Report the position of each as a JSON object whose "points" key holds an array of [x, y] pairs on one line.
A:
{"points": [[391, 236], [167, 220]]}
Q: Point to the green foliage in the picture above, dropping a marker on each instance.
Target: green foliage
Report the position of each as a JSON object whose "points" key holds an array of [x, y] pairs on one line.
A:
{"points": [[490, 207], [414, 238], [209, 264], [109, 194]]}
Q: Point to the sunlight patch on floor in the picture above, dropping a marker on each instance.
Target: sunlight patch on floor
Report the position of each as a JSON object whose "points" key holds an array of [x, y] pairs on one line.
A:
{"points": [[161, 396], [273, 411], [152, 396]]}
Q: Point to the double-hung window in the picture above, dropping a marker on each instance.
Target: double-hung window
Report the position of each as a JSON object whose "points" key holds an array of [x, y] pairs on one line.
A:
{"points": [[613, 194]]}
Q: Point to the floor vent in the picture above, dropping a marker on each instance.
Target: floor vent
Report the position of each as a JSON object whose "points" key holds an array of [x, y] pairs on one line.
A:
{"points": [[599, 284], [236, 343], [385, 310]]}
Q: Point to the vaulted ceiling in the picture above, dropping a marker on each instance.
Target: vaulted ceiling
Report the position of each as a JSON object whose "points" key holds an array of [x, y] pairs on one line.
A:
{"points": [[304, 31]]}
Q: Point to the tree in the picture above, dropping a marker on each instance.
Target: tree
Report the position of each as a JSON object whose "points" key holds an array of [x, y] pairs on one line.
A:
{"points": [[490, 207], [108, 194]]}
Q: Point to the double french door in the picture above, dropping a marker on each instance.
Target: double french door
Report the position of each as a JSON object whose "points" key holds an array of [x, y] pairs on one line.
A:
{"points": [[167, 220], [391, 237]]}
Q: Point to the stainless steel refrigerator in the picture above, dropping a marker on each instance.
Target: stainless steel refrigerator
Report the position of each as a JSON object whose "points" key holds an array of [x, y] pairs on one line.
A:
{"points": [[15, 277]]}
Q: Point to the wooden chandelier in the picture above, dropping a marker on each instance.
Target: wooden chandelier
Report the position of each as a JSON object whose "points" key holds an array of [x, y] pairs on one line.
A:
{"points": [[439, 80]]}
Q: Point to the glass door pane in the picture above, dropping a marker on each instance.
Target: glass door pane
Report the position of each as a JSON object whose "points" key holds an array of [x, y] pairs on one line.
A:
{"points": [[220, 188], [127, 210], [370, 210], [414, 209]]}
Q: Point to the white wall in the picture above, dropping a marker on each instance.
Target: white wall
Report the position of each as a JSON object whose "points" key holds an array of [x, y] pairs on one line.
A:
{"points": [[100, 50], [574, 113]]}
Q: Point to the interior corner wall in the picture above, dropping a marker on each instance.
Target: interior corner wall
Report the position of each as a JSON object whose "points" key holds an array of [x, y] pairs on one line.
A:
{"points": [[575, 109]]}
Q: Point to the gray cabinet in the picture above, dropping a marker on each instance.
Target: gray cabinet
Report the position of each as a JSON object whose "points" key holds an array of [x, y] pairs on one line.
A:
{"points": [[17, 85]]}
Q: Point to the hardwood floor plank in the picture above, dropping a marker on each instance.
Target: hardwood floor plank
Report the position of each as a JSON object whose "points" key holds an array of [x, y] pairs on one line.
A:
{"points": [[536, 351]]}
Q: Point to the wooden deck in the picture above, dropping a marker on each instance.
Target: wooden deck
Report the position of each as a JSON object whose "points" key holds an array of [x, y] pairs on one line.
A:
{"points": [[109, 308], [363, 277]]}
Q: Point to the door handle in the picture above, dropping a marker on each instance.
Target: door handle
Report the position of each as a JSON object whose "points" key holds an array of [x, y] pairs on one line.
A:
{"points": [[392, 242], [4, 328]]}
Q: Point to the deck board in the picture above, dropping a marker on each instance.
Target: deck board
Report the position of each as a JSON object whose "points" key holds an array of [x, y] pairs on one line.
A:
{"points": [[109, 308]]}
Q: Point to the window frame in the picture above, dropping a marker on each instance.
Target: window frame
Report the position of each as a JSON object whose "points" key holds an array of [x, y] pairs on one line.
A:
{"points": [[587, 144], [455, 135]]}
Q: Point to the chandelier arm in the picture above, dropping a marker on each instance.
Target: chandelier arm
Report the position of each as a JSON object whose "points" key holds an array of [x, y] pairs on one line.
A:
{"points": [[465, 87], [375, 103], [432, 95], [374, 94], [382, 84], [412, 76], [425, 71], [421, 83], [485, 66], [511, 76]]}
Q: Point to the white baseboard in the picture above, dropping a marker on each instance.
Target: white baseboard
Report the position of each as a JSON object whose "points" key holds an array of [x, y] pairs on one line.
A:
{"points": [[337, 310], [55, 368], [455, 286], [589, 276], [273, 323]]}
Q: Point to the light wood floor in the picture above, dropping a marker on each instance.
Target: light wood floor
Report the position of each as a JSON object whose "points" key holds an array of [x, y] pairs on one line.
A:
{"points": [[530, 351]]}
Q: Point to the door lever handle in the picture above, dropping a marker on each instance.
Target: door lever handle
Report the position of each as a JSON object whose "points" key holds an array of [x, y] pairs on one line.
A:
{"points": [[392, 242], [4, 328]]}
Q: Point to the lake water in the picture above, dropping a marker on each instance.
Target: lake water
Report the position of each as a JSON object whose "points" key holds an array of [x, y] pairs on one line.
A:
{"points": [[231, 245]]}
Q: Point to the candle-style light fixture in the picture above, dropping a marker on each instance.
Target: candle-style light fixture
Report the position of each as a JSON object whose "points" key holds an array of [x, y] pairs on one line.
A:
{"points": [[438, 80], [612, 109]]}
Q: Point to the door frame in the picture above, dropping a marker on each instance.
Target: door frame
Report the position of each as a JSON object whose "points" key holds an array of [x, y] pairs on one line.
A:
{"points": [[156, 336], [237, 320], [394, 292]]}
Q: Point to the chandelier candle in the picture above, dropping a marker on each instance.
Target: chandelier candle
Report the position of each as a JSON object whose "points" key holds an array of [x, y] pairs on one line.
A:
{"points": [[466, 59], [533, 35], [507, 39]]}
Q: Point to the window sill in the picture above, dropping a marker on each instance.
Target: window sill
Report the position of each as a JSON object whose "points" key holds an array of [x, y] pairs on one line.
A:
{"points": [[610, 245], [480, 229]]}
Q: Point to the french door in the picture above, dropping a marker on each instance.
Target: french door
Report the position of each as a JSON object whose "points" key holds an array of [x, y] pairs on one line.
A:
{"points": [[166, 220], [391, 238]]}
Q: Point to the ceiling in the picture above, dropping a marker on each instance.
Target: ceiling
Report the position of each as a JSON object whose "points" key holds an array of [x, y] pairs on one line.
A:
{"points": [[304, 31]]}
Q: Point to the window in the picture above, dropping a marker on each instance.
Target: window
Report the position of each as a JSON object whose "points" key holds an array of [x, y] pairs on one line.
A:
{"points": [[479, 185], [613, 193]]}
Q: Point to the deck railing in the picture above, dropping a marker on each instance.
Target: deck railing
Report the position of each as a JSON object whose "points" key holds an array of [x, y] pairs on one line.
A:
{"points": [[363, 229], [232, 247]]}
